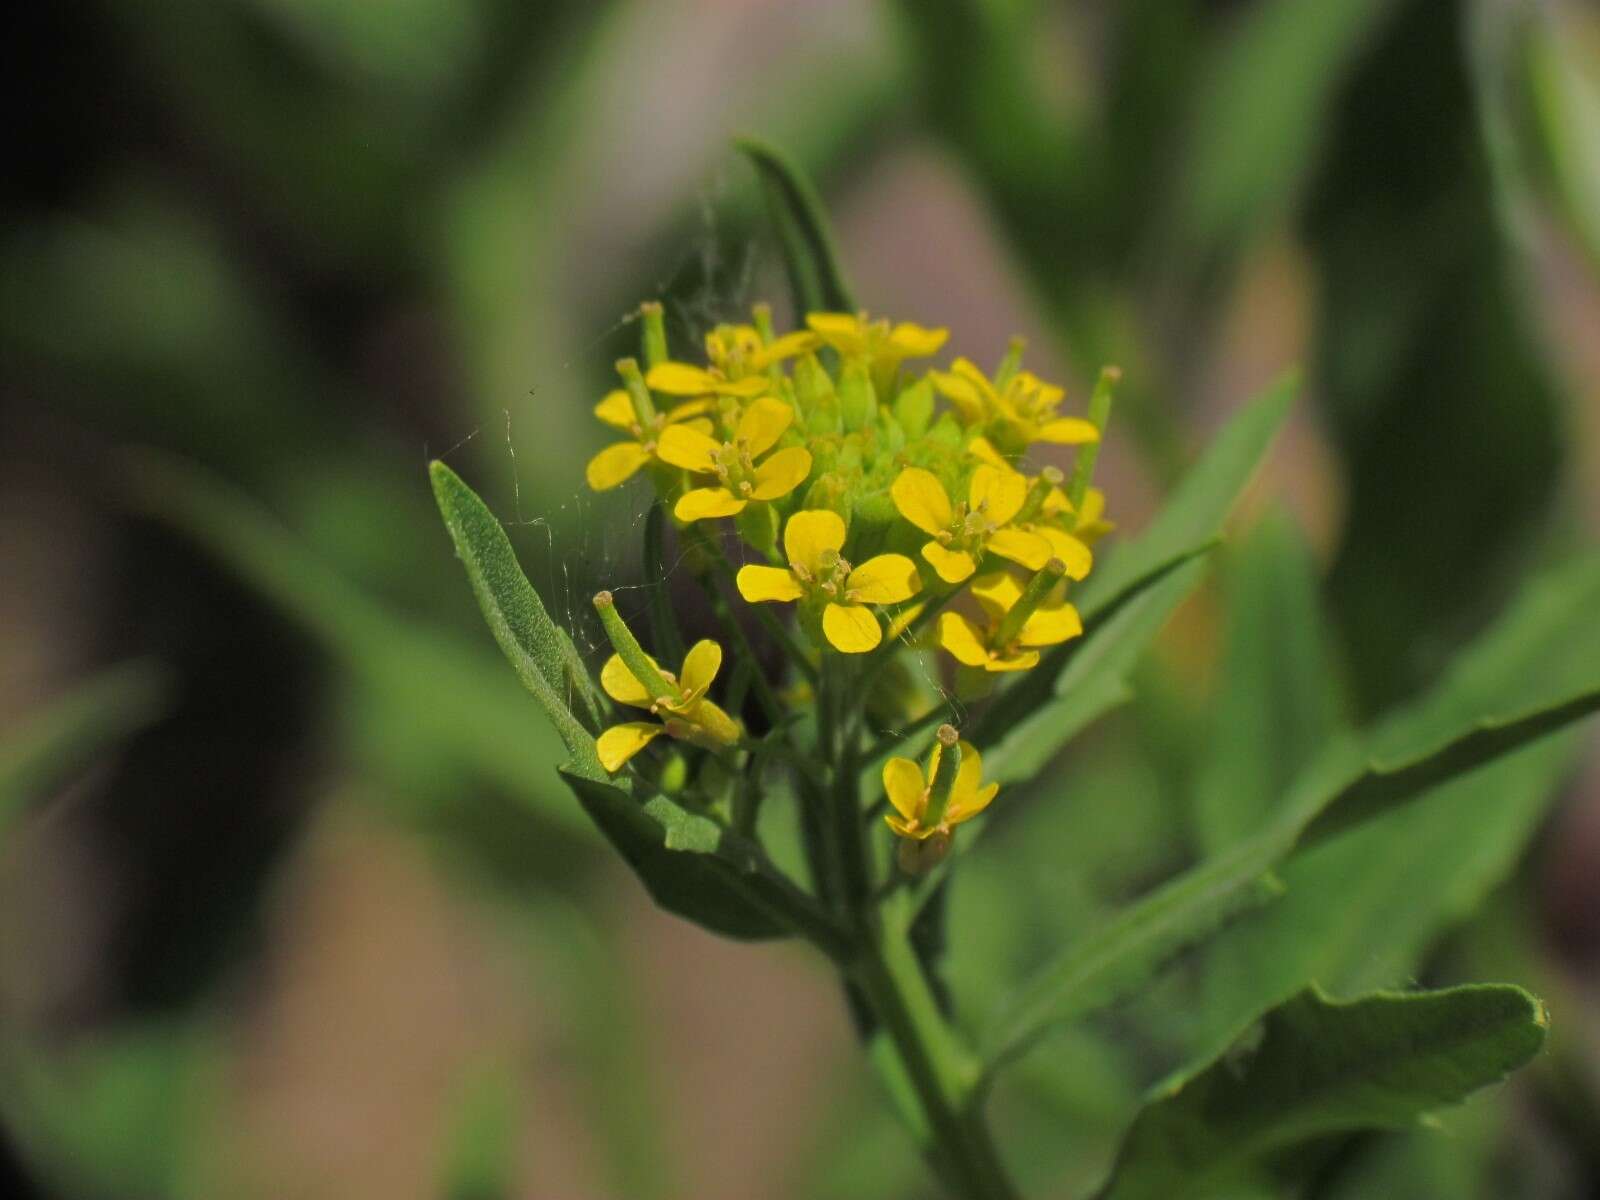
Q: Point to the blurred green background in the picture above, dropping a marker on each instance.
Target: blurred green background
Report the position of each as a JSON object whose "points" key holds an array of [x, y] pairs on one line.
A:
{"points": [[291, 900]]}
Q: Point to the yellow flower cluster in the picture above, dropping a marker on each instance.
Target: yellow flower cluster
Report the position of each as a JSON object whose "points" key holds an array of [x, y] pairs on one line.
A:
{"points": [[862, 495]]}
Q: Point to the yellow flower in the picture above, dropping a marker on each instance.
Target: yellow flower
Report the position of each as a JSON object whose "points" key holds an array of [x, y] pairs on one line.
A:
{"points": [[1088, 525], [963, 532], [910, 790], [1021, 414], [740, 479], [690, 717], [883, 346], [1070, 535], [992, 645], [736, 352], [618, 462], [812, 540]]}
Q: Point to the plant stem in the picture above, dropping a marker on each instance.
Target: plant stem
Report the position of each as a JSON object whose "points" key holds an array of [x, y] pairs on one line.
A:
{"points": [[937, 1067]]}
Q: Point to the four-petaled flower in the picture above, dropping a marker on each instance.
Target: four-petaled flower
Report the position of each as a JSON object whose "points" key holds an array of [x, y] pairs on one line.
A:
{"points": [[961, 533], [618, 462], [689, 715], [1022, 413], [737, 351], [910, 790], [992, 645], [812, 540], [740, 479], [883, 346]]}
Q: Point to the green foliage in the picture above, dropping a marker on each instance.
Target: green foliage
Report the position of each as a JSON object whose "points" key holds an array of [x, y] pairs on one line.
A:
{"points": [[1317, 1068], [815, 276]]}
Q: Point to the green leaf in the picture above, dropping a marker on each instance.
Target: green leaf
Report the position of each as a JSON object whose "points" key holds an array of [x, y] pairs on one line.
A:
{"points": [[698, 869], [1274, 710], [1187, 526], [1317, 1068], [815, 276], [1565, 104], [70, 734], [1408, 875], [1535, 671], [542, 653]]}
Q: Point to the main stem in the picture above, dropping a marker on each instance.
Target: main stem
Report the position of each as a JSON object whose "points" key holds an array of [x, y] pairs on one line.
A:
{"points": [[928, 1060]]}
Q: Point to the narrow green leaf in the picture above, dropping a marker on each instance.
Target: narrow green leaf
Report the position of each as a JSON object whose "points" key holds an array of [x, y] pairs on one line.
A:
{"points": [[1565, 104], [1274, 709], [1317, 1068], [815, 276], [542, 653], [480, 1147], [1187, 526], [697, 869], [1538, 670], [70, 734]]}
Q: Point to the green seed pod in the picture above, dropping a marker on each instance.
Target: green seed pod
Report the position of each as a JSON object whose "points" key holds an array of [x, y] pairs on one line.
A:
{"points": [[858, 401]]}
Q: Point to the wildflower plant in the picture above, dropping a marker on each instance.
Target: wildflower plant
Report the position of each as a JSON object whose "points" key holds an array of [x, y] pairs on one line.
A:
{"points": [[917, 614]]}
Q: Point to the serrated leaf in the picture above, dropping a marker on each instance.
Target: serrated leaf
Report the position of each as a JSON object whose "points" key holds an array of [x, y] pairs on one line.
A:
{"points": [[1538, 670], [815, 277], [1318, 1068], [697, 869], [68, 735], [1187, 526], [541, 651]]}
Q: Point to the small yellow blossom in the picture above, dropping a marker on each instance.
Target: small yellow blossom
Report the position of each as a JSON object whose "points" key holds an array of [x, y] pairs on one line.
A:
{"points": [[737, 352], [690, 717], [618, 462], [910, 789], [1023, 413], [990, 645], [812, 540], [963, 532], [884, 347], [740, 478], [1088, 525]]}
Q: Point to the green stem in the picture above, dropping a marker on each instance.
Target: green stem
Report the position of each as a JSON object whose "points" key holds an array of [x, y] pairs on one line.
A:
{"points": [[1099, 416], [938, 1069]]}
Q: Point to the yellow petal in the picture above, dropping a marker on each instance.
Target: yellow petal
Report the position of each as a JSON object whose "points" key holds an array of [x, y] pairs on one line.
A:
{"points": [[842, 331], [884, 579], [687, 447], [619, 683], [767, 583], [745, 387], [969, 399], [968, 777], [809, 533], [998, 492], [701, 503], [680, 379], [700, 666], [997, 592], [1068, 431], [762, 424], [615, 465], [904, 785], [922, 500], [970, 806], [1048, 625], [903, 827], [621, 742], [781, 473], [983, 449], [952, 565], [851, 628], [789, 345], [1023, 660], [911, 340], [1032, 550], [616, 410], [903, 619], [960, 638], [1077, 557], [690, 408]]}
